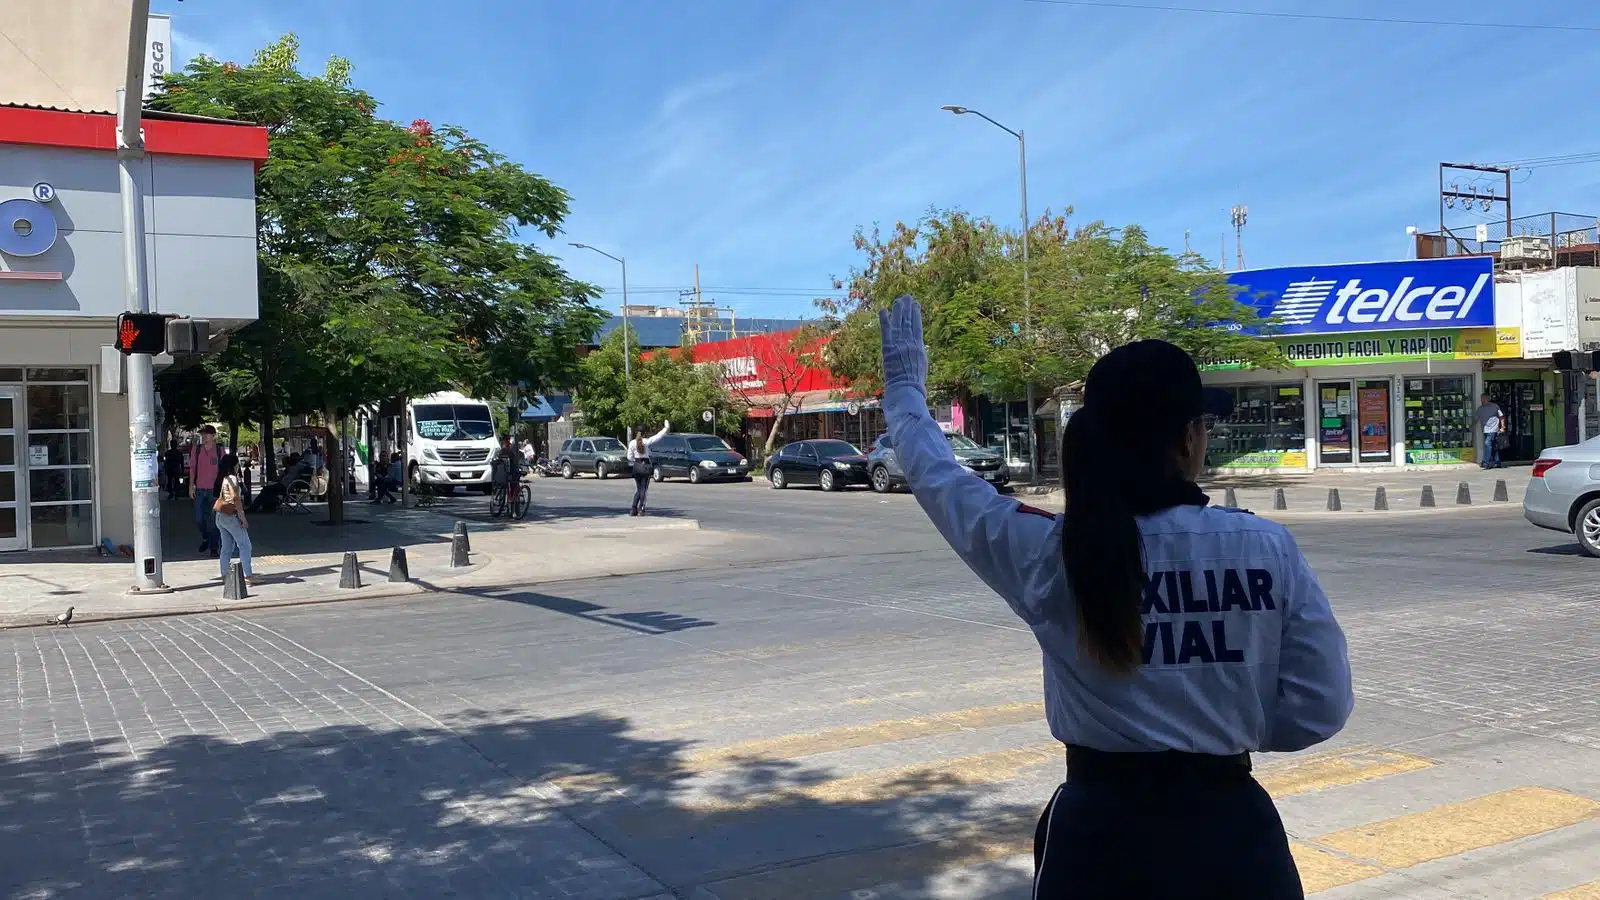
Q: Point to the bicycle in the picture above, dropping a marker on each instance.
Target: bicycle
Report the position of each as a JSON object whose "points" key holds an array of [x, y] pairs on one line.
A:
{"points": [[517, 508]]}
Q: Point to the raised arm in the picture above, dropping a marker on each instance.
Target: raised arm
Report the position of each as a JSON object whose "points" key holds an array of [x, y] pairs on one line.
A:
{"points": [[666, 427], [997, 537]]}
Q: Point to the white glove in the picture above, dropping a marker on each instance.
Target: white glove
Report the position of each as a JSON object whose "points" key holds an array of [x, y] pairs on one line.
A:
{"points": [[905, 356]]}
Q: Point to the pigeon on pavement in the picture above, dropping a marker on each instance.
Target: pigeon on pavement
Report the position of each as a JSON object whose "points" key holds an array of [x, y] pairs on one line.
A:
{"points": [[64, 618]]}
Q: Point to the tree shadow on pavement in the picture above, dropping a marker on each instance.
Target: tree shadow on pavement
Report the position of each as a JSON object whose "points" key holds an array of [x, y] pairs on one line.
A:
{"points": [[492, 804]]}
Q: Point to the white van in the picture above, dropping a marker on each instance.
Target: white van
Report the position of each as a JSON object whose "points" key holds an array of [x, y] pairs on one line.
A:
{"points": [[452, 442]]}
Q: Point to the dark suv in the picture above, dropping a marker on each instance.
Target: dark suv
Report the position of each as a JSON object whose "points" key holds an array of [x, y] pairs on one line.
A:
{"points": [[698, 457], [603, 456]]}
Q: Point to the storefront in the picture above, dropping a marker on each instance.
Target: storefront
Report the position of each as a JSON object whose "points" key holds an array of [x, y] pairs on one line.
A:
{"points": [[65, 463], [1403, 396]]}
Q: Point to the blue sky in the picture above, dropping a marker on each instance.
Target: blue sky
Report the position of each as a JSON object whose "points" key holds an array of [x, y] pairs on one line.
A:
{"points": [[752, 138]]}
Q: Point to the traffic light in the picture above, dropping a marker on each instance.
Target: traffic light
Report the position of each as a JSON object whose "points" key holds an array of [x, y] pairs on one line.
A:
{"points": [[1574, 360], [141, 333]]}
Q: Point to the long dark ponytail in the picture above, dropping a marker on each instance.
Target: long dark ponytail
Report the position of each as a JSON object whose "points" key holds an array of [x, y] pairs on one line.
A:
{"points": [[1100, 542]]}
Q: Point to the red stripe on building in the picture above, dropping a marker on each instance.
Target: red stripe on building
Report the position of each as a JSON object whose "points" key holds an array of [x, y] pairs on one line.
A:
{"points": [[98, 131]]}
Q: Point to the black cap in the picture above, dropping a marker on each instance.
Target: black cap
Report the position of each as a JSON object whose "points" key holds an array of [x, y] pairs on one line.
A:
{"points": [[208, 429], [1150, 386]]}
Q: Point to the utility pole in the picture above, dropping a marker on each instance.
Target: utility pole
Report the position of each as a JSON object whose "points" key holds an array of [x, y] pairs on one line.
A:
{"points": [[1240, 214], [142, 423]]}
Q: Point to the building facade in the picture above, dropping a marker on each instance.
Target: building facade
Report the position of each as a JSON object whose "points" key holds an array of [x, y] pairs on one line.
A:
{"points": [[65, 468]]}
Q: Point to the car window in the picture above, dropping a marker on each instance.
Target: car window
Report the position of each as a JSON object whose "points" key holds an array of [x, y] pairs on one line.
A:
{"points": [[566, 446], [962, 442], [607, 445], [883, 443], [830, 449], [807, 452], [707, 442]]}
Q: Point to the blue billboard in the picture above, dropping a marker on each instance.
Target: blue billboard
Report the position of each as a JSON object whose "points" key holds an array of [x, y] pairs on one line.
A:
{"points": [[1385, 296]]}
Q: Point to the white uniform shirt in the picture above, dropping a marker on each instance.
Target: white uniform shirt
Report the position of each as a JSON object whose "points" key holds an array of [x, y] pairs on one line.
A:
{"points": [[633, 446], [1241, 653]]}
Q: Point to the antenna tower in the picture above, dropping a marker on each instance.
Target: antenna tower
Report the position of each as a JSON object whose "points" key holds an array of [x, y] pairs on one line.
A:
{"points": [[1239, 215]]}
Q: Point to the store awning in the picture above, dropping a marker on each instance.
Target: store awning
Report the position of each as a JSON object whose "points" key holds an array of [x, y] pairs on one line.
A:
{"points": [[538, 409], [810, 402]]}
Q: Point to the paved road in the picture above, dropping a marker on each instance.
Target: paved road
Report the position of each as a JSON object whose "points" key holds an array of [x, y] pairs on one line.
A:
{"points": [[859, 721]]}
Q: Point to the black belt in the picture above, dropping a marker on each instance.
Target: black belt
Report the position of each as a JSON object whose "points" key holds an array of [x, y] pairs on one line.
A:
{"points": [[1086, 765]]}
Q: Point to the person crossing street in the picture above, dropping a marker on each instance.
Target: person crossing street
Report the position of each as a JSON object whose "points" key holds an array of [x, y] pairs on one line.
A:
{"points": [[643, 466]]}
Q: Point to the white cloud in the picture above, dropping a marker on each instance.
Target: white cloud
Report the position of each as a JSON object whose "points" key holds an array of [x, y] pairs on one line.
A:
{"points": [[186, 46]]}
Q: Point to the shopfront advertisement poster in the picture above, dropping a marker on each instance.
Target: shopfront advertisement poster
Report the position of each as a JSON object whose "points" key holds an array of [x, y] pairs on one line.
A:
{"points": [[1373, 404], [145, 470], [1401, 346], [1265, 459], [38, 454], [1441, 457]]}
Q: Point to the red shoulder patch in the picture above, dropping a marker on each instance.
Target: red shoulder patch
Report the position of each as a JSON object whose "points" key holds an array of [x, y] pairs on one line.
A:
{"points": [[1034, 511]]}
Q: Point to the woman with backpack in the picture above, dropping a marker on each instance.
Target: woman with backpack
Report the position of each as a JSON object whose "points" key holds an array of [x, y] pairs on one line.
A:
{"points": [[643, 467], [231, 521]]}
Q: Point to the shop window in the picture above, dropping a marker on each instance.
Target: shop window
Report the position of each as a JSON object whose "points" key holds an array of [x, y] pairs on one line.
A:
{"points": [[1266, 431], [59, 456], [1439, 420], [10, 376]]}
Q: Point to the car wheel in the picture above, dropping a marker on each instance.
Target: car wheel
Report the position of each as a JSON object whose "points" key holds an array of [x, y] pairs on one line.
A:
{"points": [[779, 482], [1587, 528], [657, 474], [567, 471], [828, 482], [694, 475], [880, 480], [600, 471]]}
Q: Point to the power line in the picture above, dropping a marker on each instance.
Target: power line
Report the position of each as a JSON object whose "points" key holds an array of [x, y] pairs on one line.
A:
{"points": [[1318, 17]]}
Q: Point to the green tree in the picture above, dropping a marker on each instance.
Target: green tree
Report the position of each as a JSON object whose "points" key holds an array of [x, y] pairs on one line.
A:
{"points": [[665, 387], [389, 255], [1090, 289]]}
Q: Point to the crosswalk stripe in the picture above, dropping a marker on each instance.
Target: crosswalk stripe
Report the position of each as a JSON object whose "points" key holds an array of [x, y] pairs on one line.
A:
{"points": [[1315, 773], [1321, 870], [899, 783], [1590, 891], [852, 737], [1456, 828]]}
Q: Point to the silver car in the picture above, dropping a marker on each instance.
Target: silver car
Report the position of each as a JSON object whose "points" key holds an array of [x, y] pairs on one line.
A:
{"points": [[1564, 493], [885, 473]]}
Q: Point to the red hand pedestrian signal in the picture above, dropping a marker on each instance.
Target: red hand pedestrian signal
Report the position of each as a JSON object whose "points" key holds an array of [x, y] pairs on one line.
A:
{"points": [[141, 333]]}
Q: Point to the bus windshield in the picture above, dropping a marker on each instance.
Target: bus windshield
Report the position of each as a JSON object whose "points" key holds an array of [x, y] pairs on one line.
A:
{"points": [[453, 421]]}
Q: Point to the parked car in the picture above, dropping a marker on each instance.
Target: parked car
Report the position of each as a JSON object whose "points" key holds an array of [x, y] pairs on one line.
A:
{"points": [[601, 455], [1564, 493], [698, 457], [830, 465], [887, 475]]}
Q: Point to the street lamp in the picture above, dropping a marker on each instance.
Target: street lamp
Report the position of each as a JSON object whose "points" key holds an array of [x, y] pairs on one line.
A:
{"points": [[627, 355], [1027, 299]]}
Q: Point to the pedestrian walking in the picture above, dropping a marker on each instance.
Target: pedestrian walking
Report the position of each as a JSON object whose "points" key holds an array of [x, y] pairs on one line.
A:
{"points": [[1492, 422], [204, 459], [231, 521], [643, 467], [1178, 637]]}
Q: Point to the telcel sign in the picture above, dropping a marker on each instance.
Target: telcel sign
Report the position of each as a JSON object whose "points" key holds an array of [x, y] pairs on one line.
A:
{"points": [[1387, 296]]}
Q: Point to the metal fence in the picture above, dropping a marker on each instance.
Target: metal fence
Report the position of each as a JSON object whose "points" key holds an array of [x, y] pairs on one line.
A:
{"points": [[1545, 239]]}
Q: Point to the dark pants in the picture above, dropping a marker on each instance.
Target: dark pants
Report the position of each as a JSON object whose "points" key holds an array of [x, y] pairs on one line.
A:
{"points": [[1215, 832], [641, 487], [1491, 451], [205, 519]]}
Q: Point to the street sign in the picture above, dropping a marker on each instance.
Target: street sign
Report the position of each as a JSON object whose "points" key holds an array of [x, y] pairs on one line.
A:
{"points": [[707, 416], [853, 407]]}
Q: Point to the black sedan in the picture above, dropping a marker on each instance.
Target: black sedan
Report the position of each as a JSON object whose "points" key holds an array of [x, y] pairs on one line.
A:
{"points": [[830, 465]]}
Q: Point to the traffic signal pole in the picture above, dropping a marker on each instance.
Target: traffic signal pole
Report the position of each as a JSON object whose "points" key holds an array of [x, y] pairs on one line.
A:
{"points": [[142, 424]]}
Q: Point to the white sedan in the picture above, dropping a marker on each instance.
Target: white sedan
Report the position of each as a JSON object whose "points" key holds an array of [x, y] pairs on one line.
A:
{"points": [[1564, 493]]}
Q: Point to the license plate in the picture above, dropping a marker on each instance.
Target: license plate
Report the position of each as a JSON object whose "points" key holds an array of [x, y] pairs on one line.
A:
{"points": [[991, 476]]}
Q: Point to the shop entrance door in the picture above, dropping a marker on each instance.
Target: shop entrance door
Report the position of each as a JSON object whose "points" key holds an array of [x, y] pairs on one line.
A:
{"points": [[1523, 404], [13, 515], [1374, 441], [1336, 422]]}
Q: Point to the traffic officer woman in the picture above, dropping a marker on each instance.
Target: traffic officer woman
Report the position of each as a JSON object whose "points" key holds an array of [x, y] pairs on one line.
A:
{"points": [[1178, 637]]}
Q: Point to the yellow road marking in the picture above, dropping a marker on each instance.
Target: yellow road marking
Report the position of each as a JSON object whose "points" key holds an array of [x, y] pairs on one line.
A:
{"points": [[1316, 773], [1590, 891], [852, 737], [1456, 828], [898, 783], [1321, 870]]}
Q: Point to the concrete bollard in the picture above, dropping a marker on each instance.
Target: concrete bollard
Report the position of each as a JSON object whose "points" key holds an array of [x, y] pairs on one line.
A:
{"points": [[461, 534], [1427, 496], [1278, 500], [458, 550], [233, 587], [1380, 500], [1463, 494], [350, 572], [1333, 500], [1230, 499], [399, 571], [1501, 495]]}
